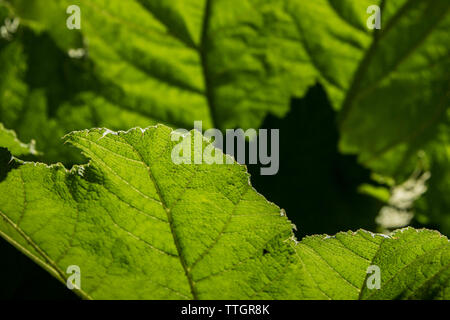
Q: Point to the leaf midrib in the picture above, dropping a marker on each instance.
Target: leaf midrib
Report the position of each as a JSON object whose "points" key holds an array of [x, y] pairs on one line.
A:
{"points": [[201, 50], [170, 220], [364, 64]]}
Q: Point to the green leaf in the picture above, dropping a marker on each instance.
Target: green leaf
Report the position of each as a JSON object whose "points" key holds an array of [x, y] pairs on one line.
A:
{"points": [[147, 56], [414, 264], [231, 63], [141, 227], [137, 224], [8, 139], [145, 62], [433, 208], [228, 63], [391, 87], [400, 92]]}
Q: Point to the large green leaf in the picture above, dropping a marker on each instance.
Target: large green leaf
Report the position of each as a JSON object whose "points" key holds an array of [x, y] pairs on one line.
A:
{"points": [[132, 217], [231, 62], [400, 92], [140, 226], [391, 87], [171, 61]]}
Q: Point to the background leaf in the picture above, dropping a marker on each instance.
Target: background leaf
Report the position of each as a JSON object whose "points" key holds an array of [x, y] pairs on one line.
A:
{"points": [[169, 62], [9, 140]]}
